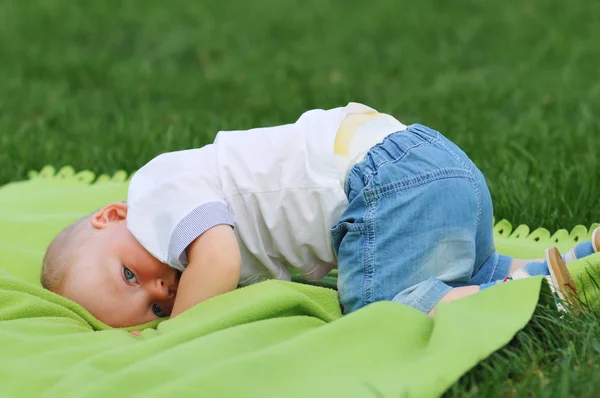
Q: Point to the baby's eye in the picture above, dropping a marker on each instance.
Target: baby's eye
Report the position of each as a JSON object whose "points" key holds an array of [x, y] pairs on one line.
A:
{"points": [[158, 311], [129, 276]]}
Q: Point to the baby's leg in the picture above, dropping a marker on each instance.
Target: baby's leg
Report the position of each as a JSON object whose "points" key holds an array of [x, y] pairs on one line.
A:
{"points": [[418, 224], [455, 294]]}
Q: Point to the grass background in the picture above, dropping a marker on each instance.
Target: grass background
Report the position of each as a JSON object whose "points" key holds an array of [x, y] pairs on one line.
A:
{"points": [[107, 85]]}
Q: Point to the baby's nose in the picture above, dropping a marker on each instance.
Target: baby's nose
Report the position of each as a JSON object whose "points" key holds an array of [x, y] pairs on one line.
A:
{"points": [[161, 290]]}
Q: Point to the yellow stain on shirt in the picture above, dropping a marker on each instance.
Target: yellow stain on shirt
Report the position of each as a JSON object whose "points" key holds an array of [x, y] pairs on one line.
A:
{"points": [[348, 127]]}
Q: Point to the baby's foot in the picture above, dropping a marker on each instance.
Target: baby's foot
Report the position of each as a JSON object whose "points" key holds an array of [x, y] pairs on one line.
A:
{"points": [[560, 280], [584, 249], [581, 250]]}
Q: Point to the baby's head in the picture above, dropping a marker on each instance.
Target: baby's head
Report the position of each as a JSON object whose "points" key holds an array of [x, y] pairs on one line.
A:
{"points": [[99, 264]]}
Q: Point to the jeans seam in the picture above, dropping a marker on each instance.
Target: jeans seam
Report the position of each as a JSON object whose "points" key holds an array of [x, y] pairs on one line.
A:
{"points": [[368, 253], [413, 181], [479, 211], [419, 299], [497, 258], [451, 152], [350, 226]]}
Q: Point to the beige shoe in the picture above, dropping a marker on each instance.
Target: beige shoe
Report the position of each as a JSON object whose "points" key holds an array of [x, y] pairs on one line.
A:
{"points": [[596, 239], [561, 282]]}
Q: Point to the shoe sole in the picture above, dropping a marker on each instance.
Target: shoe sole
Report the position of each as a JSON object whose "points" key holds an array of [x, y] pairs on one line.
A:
{"points": [[566, 289]]}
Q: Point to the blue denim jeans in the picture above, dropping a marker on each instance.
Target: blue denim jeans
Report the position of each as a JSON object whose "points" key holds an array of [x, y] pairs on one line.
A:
{"points": [[418, 223]]}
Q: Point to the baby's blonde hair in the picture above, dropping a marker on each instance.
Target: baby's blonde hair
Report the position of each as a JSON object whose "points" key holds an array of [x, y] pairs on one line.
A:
{"points": [[61, 252]]}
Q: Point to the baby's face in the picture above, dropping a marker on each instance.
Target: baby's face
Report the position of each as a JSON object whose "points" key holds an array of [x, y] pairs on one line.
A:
{"points": [[116, 279]]}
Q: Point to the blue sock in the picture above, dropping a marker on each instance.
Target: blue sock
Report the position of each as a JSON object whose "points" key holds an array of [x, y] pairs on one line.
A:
{"points": [[537, 268], [584, 249]]}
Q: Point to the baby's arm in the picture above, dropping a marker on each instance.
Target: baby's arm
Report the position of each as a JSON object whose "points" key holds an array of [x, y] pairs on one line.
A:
{"points": [[214, 264]]}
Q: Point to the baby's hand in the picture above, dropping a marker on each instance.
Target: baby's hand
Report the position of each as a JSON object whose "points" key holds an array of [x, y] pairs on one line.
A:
{"points": [[136, 333]]}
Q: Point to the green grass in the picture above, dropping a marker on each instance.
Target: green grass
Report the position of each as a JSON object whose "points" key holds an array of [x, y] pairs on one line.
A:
{"points": [[552, 357], [107, 85]]}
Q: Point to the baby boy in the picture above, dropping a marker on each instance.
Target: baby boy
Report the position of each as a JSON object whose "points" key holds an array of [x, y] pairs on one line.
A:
{"points": [[401, 211]]}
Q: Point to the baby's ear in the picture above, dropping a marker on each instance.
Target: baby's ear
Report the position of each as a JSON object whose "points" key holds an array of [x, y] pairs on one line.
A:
{"points": [[109, 214]]}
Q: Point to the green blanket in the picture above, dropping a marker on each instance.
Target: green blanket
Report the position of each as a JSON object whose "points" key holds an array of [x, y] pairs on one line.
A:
{"points": [[275, 338]]}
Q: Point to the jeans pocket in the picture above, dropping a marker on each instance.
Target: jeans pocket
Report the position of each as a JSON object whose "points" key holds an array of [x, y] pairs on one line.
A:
{"points": [[339, 231]]}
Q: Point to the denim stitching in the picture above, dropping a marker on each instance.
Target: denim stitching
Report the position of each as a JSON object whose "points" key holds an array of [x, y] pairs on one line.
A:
{"points": [[479, 210], [421, 179], [350, 226], [494, 268], [369, 253], [420, 298], [451, 152]]}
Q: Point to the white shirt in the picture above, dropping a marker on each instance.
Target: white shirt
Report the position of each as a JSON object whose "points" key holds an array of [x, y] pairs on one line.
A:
{"points": [[281, 188]]}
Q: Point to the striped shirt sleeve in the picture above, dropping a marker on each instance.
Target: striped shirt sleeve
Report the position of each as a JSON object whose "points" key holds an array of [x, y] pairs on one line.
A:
{"points": [[198, 221]]}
